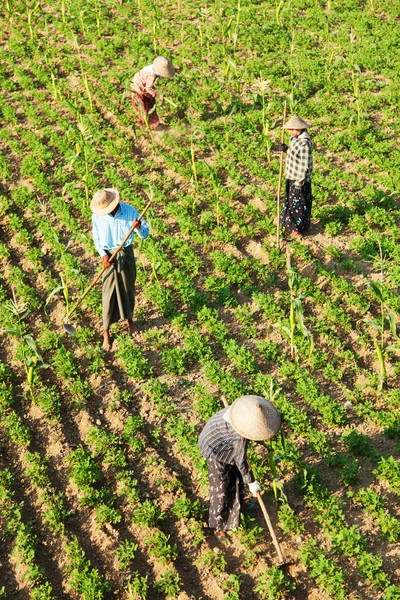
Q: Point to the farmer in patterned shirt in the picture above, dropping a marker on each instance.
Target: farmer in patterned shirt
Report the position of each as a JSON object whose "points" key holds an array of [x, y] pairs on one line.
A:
{"points": [[296, 213], [223, 442], [143, 92]]}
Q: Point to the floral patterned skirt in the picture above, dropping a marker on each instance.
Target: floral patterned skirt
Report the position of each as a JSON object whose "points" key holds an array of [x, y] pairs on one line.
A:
{"points": [[296, 214], [226, 495]]}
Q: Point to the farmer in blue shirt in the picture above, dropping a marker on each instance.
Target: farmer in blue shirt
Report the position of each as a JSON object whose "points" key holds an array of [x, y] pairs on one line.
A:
{"points": [[111, 222]]}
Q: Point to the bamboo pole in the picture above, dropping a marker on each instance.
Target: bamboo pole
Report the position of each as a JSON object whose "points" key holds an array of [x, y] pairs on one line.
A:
{"points": [[278, 197]]}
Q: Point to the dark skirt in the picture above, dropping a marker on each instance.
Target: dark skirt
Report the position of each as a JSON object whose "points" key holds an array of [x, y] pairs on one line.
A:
{"points": [[118, 293], [145, 105], [226, 495], [296, 214]]}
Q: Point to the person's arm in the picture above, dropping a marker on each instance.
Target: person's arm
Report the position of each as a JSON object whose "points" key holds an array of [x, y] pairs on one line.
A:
{"points": [[142, 228], [149, 82], [302, 165], [240, 447]]}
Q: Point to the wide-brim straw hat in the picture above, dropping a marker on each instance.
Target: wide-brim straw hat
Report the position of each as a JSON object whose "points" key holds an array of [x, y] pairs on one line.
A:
{"points": [[104, 201], [163, 67], [254, 418], [296, 122]]}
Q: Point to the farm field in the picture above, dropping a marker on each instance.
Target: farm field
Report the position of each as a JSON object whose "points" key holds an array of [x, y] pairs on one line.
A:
{"points": [[103, 491]]}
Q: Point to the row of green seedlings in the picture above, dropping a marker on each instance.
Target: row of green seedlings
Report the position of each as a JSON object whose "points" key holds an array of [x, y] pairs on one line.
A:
{"points": [[86, 474], [348, 541], [347, 467], [159, 261], [241, 279], [29, 352], [331, 411], [386, 339], [246, 362], [83, 578]]}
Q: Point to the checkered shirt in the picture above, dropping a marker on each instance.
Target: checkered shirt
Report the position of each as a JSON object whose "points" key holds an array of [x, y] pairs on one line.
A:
{"points": [[220, 441], [299, 161], [143, 82], [109, 231]]}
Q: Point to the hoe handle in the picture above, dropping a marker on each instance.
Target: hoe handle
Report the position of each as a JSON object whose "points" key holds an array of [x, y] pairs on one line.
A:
{"points": [[278, 195], [110, 260], [170, 102], [271, 529]]}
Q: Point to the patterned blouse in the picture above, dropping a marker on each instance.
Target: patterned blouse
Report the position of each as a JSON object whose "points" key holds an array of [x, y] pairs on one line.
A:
{"points": [[299, 161], [220, 441], [143, 82]]}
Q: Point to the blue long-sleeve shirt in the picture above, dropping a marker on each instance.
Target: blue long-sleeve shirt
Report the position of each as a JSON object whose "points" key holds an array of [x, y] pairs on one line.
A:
{"points": [[109, 231], [220, 441]]}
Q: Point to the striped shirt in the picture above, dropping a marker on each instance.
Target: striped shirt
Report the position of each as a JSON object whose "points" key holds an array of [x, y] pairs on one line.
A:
{"points": [[143, 82], [299, 161], [220, 441], [109, 231]]}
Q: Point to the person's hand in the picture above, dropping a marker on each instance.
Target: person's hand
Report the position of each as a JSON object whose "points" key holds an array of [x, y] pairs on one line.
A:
{"points": [[254, 488], [136, 224], [160, 96], [282, 147], [105, 261]]}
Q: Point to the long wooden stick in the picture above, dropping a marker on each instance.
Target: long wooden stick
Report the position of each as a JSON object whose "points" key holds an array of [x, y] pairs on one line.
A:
{"points": [[170, 102], [110, 260], [271, 529], [278, 196], [266, 515]]}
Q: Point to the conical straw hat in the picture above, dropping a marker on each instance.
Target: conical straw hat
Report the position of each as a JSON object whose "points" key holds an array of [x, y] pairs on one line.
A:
{"points": [[104, 201], [254, 418], [296, 122], [163, 67]]}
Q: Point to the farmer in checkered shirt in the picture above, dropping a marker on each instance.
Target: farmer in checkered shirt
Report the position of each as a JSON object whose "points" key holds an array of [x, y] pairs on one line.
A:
{"points": [[296, 213], [143, 93]]}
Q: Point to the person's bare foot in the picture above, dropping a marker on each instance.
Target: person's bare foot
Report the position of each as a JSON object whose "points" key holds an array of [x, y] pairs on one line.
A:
{"points": [[130, 327], [295, 234], [221, 535], [106, 341]]}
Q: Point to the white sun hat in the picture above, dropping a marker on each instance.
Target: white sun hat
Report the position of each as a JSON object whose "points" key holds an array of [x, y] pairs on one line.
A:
{"points": [[254, 418], [163, 67], [296, 122], [104, 201]]}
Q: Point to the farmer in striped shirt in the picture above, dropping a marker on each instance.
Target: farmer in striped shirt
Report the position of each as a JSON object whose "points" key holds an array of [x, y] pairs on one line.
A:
{"points": [[223, 442], [296, 213], [111, 222], [143, 92]]}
